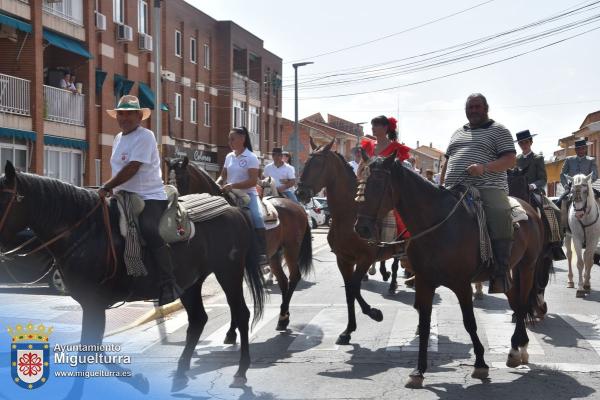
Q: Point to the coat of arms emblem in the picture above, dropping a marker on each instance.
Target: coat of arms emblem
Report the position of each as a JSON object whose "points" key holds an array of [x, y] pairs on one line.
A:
{"points": [[30, 355]]}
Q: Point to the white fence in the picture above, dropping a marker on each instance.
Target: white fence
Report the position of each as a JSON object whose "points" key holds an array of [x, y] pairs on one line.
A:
{"points": [[63, 106], [14, 95]]}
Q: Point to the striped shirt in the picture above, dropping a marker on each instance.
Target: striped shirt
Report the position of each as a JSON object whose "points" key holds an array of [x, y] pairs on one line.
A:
{"points": [[478, 146]]}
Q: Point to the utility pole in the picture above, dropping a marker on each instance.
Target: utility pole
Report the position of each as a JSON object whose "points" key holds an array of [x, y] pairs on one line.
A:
{"points": [[157, 78], [295, 139]]}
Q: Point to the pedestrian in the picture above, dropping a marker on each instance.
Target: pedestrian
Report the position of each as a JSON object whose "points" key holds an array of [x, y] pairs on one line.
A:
{"points": [[356, 159], [240, 171], [479, 154], [282, 173], [135, 165]]}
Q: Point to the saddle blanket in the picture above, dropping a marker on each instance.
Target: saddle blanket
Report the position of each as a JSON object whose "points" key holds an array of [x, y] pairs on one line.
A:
{"points": [[517, 211]]}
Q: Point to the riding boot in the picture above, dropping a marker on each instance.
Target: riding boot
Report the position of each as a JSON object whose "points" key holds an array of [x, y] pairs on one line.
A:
{"points": [[261, 241], [169, 290], [499, 282]]}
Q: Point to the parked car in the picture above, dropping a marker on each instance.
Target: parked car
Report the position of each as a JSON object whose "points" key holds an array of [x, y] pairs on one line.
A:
{"points": [[314, 212], [28, 269], [325, 209]]}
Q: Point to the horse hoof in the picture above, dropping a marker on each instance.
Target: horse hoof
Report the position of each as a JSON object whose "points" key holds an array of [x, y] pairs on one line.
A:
{"points": [[524, 356], [570, 285], [587, 288], [480, 373], [415, 381], [343, 339], [239, 381], [580, 294], [478, 296], [230, 338], [269, 282], [385, 275], [376, 315], [372, 270], [514, 359], [282, 324]]}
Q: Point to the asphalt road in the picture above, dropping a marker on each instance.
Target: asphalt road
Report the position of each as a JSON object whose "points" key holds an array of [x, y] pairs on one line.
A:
{"points": [[305, 362]]}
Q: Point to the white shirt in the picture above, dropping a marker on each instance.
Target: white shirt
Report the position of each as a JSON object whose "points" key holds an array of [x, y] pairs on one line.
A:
{"points": [[354, 166], [286, 171], [139, 145], [237, 168]]}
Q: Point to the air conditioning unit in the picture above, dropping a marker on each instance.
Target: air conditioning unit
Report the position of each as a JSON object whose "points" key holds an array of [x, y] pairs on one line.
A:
{"points": [[100, 22], [145, 42], [8, 32], [124, 33]]}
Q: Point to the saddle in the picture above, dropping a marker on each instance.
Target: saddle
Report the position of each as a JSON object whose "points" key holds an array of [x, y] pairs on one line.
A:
{"points": [[270, 215]]}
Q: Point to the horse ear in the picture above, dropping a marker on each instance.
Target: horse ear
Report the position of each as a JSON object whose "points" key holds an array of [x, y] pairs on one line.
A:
{"points": [[313, 146], [329, 145], [185, 162], [9, 171]]}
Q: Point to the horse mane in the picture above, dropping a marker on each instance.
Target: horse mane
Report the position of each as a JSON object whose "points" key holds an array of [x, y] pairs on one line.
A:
{"points": [[347, 166], [204, 175], [63, 202]]}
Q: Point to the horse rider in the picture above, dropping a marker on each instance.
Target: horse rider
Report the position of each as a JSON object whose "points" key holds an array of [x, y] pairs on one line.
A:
{"points": [[534, 169], [485, 150], [282, 173], [580, 163], [240, 172], [135, 165]]}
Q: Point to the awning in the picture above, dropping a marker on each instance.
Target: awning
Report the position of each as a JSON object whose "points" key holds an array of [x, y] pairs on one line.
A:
{"points": [[66, 43], [100, 77], [122, 86], [17, 134], [146, 95], [50, 140], [15, 23]]}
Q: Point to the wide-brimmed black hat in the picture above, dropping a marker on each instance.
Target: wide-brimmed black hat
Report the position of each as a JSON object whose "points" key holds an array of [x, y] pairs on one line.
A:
{"points": [[277, 150], [524, 135], [581, 142]]}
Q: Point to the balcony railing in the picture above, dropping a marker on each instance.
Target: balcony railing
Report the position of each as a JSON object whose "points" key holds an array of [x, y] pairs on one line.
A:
{"points": [[71, 10], [238, 83], [254, 90], [14, 95], [63, 106]]}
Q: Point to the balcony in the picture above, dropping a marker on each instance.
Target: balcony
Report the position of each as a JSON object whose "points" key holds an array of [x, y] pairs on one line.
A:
{"points": [[14, 95], [238, 83], [63, 106], [70, 10], [254, 90]]}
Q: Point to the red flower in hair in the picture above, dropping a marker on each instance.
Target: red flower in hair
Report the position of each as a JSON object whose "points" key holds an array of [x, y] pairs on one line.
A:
{"points": [[393, 124], [369, 146]]}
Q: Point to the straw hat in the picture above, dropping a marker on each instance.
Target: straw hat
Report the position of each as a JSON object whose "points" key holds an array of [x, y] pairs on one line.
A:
{"points": [[129, 103]]}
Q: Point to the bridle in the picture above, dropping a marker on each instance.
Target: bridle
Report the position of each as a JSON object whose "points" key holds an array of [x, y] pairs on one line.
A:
{"points": [[311, 192]]}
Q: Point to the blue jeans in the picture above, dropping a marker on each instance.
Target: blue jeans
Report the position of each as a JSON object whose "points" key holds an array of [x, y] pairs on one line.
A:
{"points": [[290, 195], [256, 211]]}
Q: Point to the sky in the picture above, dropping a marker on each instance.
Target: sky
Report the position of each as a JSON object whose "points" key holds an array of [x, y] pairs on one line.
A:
{"points": [[548, 91]]}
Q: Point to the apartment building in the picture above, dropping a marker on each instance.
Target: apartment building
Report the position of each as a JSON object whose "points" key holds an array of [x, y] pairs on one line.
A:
{"points": [[215, 75]]}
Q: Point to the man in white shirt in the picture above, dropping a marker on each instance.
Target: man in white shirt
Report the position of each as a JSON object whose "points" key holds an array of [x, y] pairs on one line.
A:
{"points": [[282, 173], [135, 164], [356, 160]]}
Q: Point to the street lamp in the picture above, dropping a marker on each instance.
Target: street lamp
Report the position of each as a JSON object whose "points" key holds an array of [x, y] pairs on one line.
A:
{"points": [[295, 139]]}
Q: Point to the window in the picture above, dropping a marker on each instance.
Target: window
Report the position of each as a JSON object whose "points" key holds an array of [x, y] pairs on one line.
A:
{"points": [[193, 56], [206, 56], [16, 154], [64, 164], [119, 11], [178, 43], [177, 106], [239, 114], [142, 16], [206, 114], [193, 111], [254, 120]]}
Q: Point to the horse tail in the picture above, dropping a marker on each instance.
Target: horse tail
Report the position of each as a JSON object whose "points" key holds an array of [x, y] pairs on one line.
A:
{"points": [[253, 272], [305, 262]]}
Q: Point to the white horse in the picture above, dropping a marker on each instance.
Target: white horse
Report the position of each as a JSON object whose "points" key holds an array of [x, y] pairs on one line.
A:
{"points": [[584, 223]]}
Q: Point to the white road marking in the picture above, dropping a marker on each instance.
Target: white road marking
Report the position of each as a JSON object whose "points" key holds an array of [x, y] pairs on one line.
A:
{"points": [[499, 329], [322, 331], [403, 336]]}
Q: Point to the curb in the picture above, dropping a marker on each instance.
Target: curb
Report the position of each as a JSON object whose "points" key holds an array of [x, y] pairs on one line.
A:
{"points": [[157, 312]]}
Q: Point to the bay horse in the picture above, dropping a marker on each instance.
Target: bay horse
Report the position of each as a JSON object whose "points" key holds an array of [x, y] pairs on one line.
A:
{"points": [[328, 169], [584, 226], [77, 227], [444, 251], [292, 238]]}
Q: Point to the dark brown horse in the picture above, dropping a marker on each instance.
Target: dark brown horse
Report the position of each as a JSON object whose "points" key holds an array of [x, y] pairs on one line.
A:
{"points": [[292, 237], [71, 221], [328, 169], [444, 252]]}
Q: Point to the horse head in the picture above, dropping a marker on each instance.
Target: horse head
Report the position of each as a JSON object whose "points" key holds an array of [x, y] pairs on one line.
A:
{"points": [[317, 170], [375, 197], [13, 209], [583, 195], [178, 173]]}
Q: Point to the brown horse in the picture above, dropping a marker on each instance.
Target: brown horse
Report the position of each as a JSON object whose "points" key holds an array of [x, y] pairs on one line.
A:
{"points": [[292, 237], [444, 252], [327, 169]]}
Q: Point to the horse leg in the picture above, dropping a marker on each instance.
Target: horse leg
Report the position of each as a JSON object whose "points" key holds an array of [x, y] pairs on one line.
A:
{"points": [[282, 281], [384, 274], [372, 312], [481, 370], [588, 259], [518, 299], [92, 324], [346, 270], [235, 299], [478, 295], [580, 265], [423, 302], [394, 282], [197, 317], [570, 283]]}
